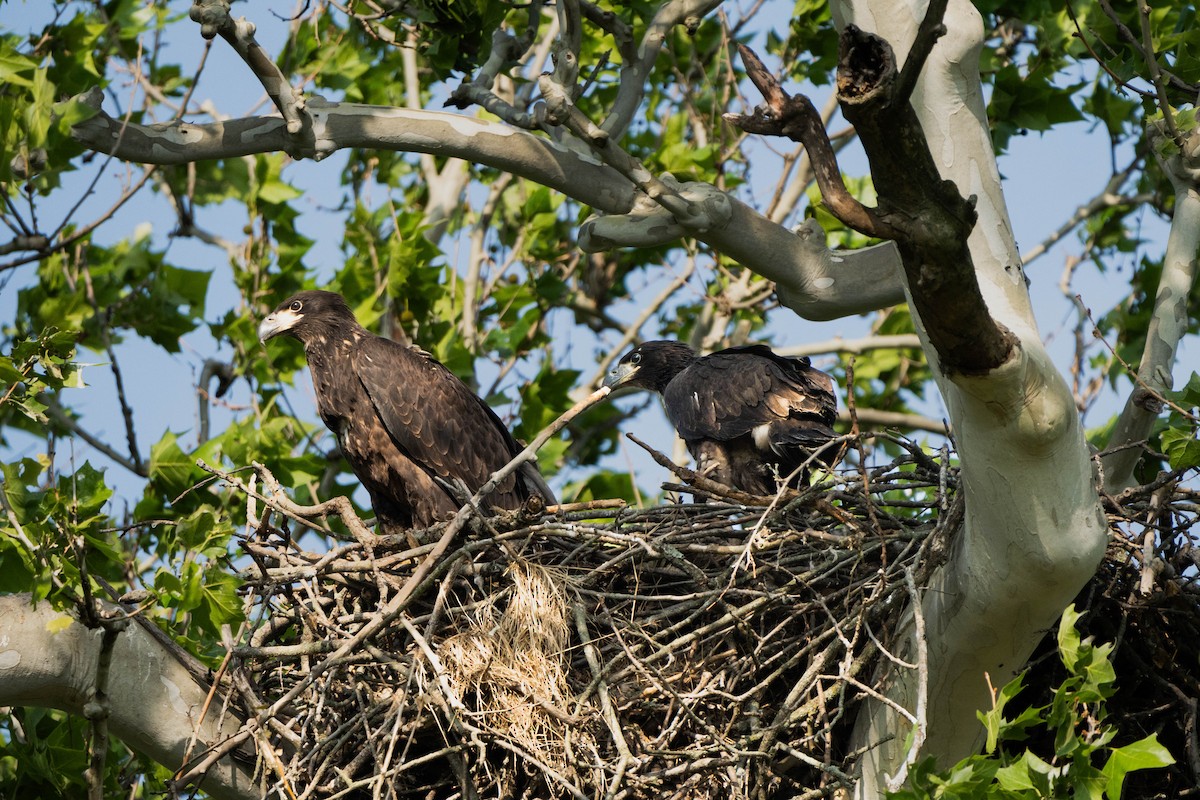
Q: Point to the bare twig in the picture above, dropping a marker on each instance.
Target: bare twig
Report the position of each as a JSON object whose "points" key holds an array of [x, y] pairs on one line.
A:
{"points": [[797, 118], [61, 417], [894, 782], [97, 709]]}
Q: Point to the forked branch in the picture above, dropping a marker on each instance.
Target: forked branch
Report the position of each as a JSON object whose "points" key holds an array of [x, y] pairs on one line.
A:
{"points": [[924, 214], [798, 119]]}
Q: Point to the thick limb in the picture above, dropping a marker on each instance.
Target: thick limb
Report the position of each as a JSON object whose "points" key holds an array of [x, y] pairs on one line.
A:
{"points": [[49, 659], [1034, 530], [1168, 322]]}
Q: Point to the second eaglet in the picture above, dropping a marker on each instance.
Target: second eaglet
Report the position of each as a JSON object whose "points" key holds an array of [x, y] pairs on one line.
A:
{"points": [[750, 418], [406, 424]]}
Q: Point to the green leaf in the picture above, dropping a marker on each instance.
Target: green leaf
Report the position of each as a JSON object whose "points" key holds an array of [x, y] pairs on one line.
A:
{"points": [[221, 604], [194, 531], [276, 191], [70, 113], [86, 491], [1189, 395], [998, 728], [1069, 643], [1030, 773], [170, 468], [1181, 447], [191, 581], [1145, 753], [15, 68], [167, 582]]}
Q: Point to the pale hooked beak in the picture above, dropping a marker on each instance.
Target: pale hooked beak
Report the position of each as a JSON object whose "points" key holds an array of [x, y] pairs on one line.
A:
{"points": [[620, 375], [277, 323]]}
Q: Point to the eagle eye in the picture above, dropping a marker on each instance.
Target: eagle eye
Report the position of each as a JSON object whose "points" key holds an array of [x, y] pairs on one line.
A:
{"points": [[636, 358], [296, 305]]}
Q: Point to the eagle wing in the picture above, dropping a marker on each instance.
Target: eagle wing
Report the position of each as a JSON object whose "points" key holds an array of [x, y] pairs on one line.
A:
{"points": [[437, 420], [730, 393]]}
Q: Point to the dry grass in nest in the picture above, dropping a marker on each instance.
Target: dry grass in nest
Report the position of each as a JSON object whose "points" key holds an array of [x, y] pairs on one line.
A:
{"points": [[692, 650], [509, 664]]}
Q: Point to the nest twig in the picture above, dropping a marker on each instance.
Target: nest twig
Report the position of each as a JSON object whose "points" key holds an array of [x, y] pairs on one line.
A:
{"points": [[699, 650]]}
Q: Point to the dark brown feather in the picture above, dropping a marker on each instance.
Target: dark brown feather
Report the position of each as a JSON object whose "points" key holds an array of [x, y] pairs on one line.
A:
{"points": [[746, 413], [405, 423]]}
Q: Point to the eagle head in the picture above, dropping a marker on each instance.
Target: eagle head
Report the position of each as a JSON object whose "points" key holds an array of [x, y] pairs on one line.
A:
{"points": [[651, 365], [307, 315]]}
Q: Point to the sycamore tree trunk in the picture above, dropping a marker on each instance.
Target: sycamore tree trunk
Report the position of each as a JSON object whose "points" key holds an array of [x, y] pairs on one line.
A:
{"points": [[153, 702], [1034, 530]]}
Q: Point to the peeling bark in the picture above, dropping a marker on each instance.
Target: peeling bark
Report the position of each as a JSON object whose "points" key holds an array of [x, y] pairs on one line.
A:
{"points": [[814, 281], [333, 126], [49, 659], [1168, 322], [1034, 530]]}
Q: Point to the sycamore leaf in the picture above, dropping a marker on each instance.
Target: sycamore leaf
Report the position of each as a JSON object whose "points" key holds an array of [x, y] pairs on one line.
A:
{"points": [[1068, 638], [1030, 773], [1143, 754], [1182, 448], [997, 726], [221, 604], [15, 68], [170, 467]]}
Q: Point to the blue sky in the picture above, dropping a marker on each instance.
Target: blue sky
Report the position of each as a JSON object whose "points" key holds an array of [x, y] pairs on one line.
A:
{"points": [[1046, 179]]}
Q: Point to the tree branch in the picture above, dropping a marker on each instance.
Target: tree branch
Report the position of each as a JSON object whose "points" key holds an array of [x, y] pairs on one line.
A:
{"points": [[858, 346], [213, 17], [811, 280], [506, 50], [634, 71], [933, 220], [105, 316], [876, 418], [1156, 73], [59, 416], [1169, 319], [23, 242], [798, 119], [1108, 197], [1186, 91], [924, 214], [98, 708], [83, 231], [339, 125], [783, 205], [50, 659]]}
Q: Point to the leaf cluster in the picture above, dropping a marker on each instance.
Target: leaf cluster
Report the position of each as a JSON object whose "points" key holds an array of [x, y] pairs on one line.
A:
{"points": [[1179, 434], [45, 755], [1083, 763], [34, 365]]}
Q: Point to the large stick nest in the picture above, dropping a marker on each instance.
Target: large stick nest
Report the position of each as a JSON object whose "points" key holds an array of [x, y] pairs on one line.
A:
{"points": [[711, 649]]}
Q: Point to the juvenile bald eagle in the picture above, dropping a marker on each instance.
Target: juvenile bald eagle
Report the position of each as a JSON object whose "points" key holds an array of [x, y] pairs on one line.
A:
{"points": [[406, 424], [746, 414]]}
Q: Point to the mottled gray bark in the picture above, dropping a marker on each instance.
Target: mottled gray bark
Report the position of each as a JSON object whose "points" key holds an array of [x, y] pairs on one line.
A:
{"points": [[1034, 531], [48, 659]]}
